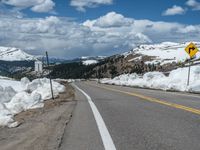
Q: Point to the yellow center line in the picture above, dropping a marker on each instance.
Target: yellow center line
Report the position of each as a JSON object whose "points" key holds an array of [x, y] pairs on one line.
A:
{"points": [[147, 98]]}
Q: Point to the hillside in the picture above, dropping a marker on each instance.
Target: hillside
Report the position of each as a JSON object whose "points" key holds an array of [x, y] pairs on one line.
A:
{"points": [[162, 54], [162, 57], [144, 58], [14, 54]]}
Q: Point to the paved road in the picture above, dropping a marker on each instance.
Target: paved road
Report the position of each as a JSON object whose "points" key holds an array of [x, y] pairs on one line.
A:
{"points": [[136, 119]]}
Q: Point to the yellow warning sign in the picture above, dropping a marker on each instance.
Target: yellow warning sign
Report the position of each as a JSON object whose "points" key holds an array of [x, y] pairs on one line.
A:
{"points": [[191, 49]]}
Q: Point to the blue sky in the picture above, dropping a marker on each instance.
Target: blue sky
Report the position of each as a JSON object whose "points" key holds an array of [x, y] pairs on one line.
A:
{"points": [[138, 9], [72, 28]]}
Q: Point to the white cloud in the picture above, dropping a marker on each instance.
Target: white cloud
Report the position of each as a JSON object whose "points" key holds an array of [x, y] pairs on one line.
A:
{"points": [[175, 10], [22, 3], [35, 5], [46, 6], [47, 25], [194, 4], [81, 5], [189, 29], [4, 12], [101, 36], [113, 19]]}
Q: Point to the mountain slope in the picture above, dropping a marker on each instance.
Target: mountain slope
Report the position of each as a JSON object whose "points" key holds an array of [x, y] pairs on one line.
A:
{"points": [[14, 54], [89, 60], [163, 53], [162, 57]]}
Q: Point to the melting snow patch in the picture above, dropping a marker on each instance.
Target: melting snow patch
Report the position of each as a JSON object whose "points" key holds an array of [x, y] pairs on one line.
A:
{"points": [[20, 96], [177, 80], [163, 53], [89, 62]]}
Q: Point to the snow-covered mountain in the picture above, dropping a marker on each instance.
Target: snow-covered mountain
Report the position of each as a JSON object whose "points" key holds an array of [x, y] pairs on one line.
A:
{"points": [[162, 53], [162, 57], [93, 57], [161, 66], [14, 54], [89, 60]]}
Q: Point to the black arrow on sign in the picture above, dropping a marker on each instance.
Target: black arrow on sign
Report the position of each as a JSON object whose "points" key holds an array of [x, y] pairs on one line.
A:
{"points": [[191, 48]]}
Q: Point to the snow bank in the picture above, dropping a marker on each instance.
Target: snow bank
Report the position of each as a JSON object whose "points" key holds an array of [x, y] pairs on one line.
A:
{"points": [[16, 96], [177, 80], [89, 62]]}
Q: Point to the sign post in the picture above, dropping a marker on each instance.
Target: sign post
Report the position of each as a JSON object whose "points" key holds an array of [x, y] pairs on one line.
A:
{"points": [[191, 49], [49, 75], [188, 81]]}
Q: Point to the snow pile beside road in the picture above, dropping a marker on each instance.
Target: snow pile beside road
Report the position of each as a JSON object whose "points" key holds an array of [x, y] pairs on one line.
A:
{"points": [[16, 96], [177, 80]]}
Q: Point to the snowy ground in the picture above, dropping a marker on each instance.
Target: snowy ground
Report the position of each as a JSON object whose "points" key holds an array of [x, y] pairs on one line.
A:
{"points": [[16, 96], [14, 54], [41, 129], [166, 52], [177, 80], [89, 62]]}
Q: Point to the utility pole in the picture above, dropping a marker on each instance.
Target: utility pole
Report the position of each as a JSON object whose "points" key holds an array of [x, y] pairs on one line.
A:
{"points": [[49, 75]]}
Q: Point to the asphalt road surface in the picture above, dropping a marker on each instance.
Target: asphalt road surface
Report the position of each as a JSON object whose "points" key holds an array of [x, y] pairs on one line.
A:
{"points": [[123, 118]]}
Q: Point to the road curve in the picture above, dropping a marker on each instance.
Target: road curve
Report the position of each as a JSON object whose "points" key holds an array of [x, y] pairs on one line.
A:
{"points": [[136, 119]]}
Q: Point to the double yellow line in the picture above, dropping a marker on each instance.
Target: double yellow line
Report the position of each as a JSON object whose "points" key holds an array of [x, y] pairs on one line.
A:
{"points": [[147, 98]]}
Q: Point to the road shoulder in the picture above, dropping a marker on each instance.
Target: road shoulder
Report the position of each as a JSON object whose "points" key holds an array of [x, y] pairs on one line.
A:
{"points": [[40, 129], [82, 132]]}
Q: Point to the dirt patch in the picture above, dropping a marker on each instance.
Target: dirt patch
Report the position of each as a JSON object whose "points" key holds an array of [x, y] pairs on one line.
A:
{"points": [[40, 129]]}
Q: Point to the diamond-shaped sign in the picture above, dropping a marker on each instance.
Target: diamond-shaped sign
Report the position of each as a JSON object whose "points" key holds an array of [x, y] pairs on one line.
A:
{"points": [[191, 49]]}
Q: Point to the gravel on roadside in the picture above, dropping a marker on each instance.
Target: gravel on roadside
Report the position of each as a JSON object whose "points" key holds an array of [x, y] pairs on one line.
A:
{"points": [[43, 128]]}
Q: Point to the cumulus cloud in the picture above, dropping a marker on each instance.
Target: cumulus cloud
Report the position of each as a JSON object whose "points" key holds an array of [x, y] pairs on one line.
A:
{"points": [[35, 5], [81, 5], [112, 33], [21, 3], [113, 19], [46, 6], [175, 10], [189, 29], [194, 4], [4, 12]]}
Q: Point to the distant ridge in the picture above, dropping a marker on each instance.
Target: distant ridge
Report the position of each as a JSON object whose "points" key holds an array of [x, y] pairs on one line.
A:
{"points": [[14, 54]]}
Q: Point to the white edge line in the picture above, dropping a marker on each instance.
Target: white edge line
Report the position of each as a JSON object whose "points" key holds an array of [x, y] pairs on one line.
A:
{"points": [[105, 135]]}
